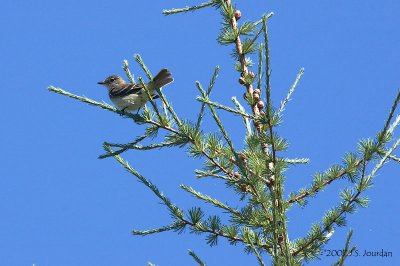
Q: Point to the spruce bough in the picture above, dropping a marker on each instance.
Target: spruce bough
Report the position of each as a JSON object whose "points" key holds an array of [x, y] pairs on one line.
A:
{"points": [[255, 172]]}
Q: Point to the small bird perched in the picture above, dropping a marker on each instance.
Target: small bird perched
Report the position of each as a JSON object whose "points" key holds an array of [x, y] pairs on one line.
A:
{"points": [[131, 97]]}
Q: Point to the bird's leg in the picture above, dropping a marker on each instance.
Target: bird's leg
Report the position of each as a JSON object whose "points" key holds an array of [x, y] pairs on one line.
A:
{"points": [[123, 111]]}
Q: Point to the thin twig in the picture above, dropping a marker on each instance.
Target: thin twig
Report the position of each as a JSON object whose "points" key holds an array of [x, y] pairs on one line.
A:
{"points": [[201, 174], [276, 188], [203, 104], [392, 110], [394, 158], [346, 252], [283, 104], [223, 107], [260, 261], [175, 210], [125, 66], [208, 199], [245, 119], [151, 99], [393, 126], [139, 60], [196, 258], [157, 230], [124, 146], [382, 161], [188, 8], [260, 65], [135, 117], [297, 161], [318, 188], [220, 233], [216, 118]]}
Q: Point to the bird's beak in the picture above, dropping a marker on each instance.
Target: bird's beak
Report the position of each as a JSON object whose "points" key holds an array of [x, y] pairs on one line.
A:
{"points": [[101, 82]]}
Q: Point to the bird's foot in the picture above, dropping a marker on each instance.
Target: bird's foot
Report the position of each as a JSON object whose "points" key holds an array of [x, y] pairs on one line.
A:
{"points": [[123, 112]]}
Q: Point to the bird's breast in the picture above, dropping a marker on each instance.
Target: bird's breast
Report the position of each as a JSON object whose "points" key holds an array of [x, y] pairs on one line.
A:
{"points": [[130, 102]]}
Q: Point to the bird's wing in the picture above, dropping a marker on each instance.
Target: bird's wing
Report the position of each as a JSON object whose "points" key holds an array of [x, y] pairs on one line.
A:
{"points": [[127, 90]]}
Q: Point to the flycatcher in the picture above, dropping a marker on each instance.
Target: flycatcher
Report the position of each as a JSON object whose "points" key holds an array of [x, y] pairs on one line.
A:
{"points": [[131, 97]]}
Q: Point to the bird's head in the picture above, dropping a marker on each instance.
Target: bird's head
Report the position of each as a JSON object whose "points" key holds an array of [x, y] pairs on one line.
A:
{"points": [[113, 81]]}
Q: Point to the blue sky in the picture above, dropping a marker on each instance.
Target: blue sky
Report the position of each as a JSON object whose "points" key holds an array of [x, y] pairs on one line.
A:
{"points": [[61, 205]]}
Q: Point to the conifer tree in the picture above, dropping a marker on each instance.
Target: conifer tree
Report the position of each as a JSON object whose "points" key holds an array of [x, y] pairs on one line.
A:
{"points": [[255, 172]]}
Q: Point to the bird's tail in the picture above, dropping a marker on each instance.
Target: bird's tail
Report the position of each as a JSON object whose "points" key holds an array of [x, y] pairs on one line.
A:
{"points": [[162, 78]]}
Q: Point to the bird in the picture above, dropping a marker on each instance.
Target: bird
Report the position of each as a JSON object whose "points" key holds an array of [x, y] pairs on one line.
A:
{"points": [[131, 97]]}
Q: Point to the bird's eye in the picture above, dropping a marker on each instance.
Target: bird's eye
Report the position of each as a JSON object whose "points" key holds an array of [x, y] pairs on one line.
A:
{"points": [[112, 79]]}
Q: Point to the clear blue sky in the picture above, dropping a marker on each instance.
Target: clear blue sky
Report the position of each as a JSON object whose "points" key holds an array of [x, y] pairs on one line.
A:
{"points": [[60, 205]]}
